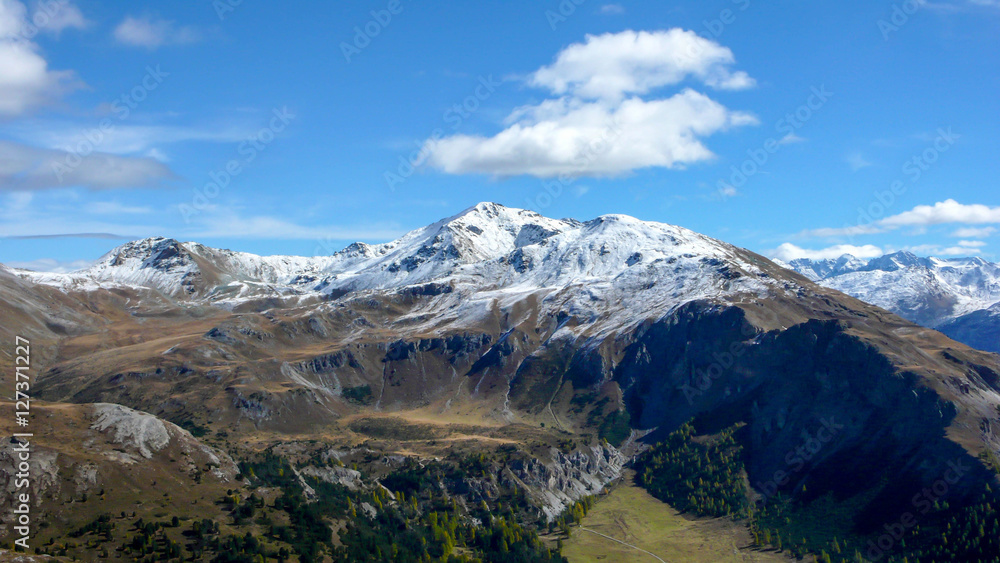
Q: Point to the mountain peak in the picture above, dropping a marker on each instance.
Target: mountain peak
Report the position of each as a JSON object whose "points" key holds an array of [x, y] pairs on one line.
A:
{"points": [[152, 250], [897, 261]]}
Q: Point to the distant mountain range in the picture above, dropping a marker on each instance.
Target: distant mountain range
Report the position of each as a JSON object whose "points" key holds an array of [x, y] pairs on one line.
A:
{"points": [[958, 296], [557, 348]]}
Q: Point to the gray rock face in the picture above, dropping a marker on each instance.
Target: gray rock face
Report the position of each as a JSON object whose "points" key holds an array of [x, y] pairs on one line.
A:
{"points": [[334, 475], [139, 430], [557, 484]]}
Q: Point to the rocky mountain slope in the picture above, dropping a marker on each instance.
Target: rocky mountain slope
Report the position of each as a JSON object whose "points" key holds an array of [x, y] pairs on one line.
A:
{"points": [[951, 295], [502, 328]]}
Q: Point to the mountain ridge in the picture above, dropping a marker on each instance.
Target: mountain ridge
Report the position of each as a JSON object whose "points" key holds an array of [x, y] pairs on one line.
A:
{"points": [[948, 294]]}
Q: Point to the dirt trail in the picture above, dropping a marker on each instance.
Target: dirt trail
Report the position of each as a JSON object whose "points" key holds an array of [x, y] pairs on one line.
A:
{"points": [[623, 543]]}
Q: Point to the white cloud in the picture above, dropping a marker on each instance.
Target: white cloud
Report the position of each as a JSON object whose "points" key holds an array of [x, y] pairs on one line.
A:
{"points": [[54, 16], [26, 82], [943, 212], [935, 250], [791, 139], [727, 192], [974, 232], [614, 65], [971, 243], [126, 139], [612, 9], [150, 32], [50, 265], [788, 252], [948, 211], [115, 208], [851, 231], [575, 138], [857, 161], [231, 225], [598, 125], [23, 167]]}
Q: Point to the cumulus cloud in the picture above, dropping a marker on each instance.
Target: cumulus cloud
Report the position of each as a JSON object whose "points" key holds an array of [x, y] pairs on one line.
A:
{"points": [[575, 138], [598, 124], [788, 252], [614, 65], [24, 168], [948, 211], [150, 32], [26, 82], [942, 212]]}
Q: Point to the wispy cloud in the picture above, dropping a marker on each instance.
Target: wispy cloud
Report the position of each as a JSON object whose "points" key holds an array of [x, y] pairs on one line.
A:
{"points": [[857, 161], [152, 32], [128, 138], [974, 232], [612, 9], [791, 139], [938, 250], [232, 225], [24, 168], [50, 265], [109, 236], [115, 208]]}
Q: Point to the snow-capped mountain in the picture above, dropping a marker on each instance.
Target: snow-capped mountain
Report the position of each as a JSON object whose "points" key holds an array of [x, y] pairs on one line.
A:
{"points": [[497, 316], [487, 247], [933, 292]]}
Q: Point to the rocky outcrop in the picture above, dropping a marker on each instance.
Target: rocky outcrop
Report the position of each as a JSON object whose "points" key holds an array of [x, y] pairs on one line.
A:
{"points": [[568, 477], [130, 428], [334, 475]]}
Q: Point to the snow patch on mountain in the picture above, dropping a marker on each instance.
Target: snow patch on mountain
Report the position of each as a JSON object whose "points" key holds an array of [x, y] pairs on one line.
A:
{"points": [[612, 265], [929, 291]]}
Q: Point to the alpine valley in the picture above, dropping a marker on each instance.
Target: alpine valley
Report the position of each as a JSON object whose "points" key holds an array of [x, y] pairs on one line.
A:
{"points": [[480, 388]]}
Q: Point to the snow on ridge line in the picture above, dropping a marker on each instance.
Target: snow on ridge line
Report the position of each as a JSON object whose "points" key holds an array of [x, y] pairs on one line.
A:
{"points": [[487, 240], [928, 290]]}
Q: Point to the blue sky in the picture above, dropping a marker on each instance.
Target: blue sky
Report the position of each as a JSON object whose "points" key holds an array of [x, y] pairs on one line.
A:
{"points": [[790, 128]]}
